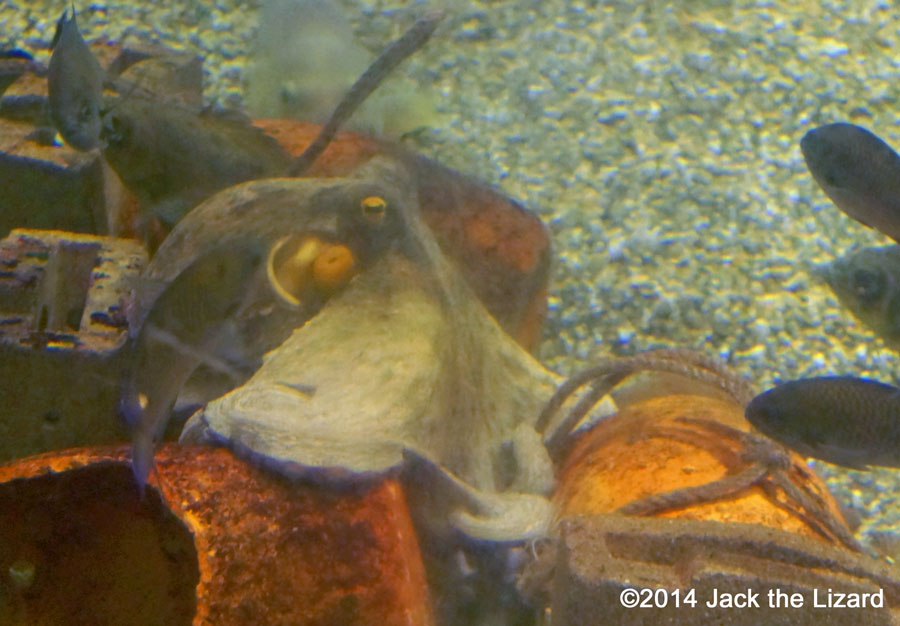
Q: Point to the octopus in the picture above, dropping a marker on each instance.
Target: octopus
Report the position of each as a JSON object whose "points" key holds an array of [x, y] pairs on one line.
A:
{"points": [[399, 370]]}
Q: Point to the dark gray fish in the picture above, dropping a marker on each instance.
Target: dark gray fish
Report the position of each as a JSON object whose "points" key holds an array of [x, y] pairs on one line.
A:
{"points": [[854, 422], [859, 172], [396, 53], [75, 87], [179, 333], [867, 282], [167, 151], [172, 158]]}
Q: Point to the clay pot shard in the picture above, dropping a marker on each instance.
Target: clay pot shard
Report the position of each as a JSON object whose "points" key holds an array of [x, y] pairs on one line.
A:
{"points": [[214, 541]]}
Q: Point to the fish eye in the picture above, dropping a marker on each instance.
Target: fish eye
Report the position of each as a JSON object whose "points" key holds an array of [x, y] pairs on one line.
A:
{"points": [[868, 285], [374, 208]]}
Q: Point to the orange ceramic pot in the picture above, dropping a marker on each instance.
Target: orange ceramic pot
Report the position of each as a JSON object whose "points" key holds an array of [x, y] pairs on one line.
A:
{"points": [[653, 447], [213, 541]]}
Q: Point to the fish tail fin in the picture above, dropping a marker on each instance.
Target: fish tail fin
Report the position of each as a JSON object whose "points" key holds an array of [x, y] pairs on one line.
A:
{"points": [[61, 23]]}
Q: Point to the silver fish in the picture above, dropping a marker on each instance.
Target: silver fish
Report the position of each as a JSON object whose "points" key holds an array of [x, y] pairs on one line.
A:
{"points": [[75, 87]]}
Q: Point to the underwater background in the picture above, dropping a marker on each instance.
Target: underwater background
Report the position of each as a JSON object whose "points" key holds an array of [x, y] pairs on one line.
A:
{"points": [[660, 142]]}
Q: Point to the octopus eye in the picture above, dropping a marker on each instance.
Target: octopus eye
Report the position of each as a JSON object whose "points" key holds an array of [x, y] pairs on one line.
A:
{"points": [[374, 208]]}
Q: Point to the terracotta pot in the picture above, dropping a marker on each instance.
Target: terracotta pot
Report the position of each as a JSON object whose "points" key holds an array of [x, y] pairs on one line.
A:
{"points": [[652, 447], [213, 541]]}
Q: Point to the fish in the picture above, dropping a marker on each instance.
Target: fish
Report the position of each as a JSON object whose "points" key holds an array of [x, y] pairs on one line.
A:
{"points": [[75, 86], [178, 331], [170, 151], [858, 171], [849, 421], [867, 282], [172, 157]]}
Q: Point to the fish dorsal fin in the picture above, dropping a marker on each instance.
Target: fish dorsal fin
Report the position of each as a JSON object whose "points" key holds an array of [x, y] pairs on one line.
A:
{"points": [[61, 24]]}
